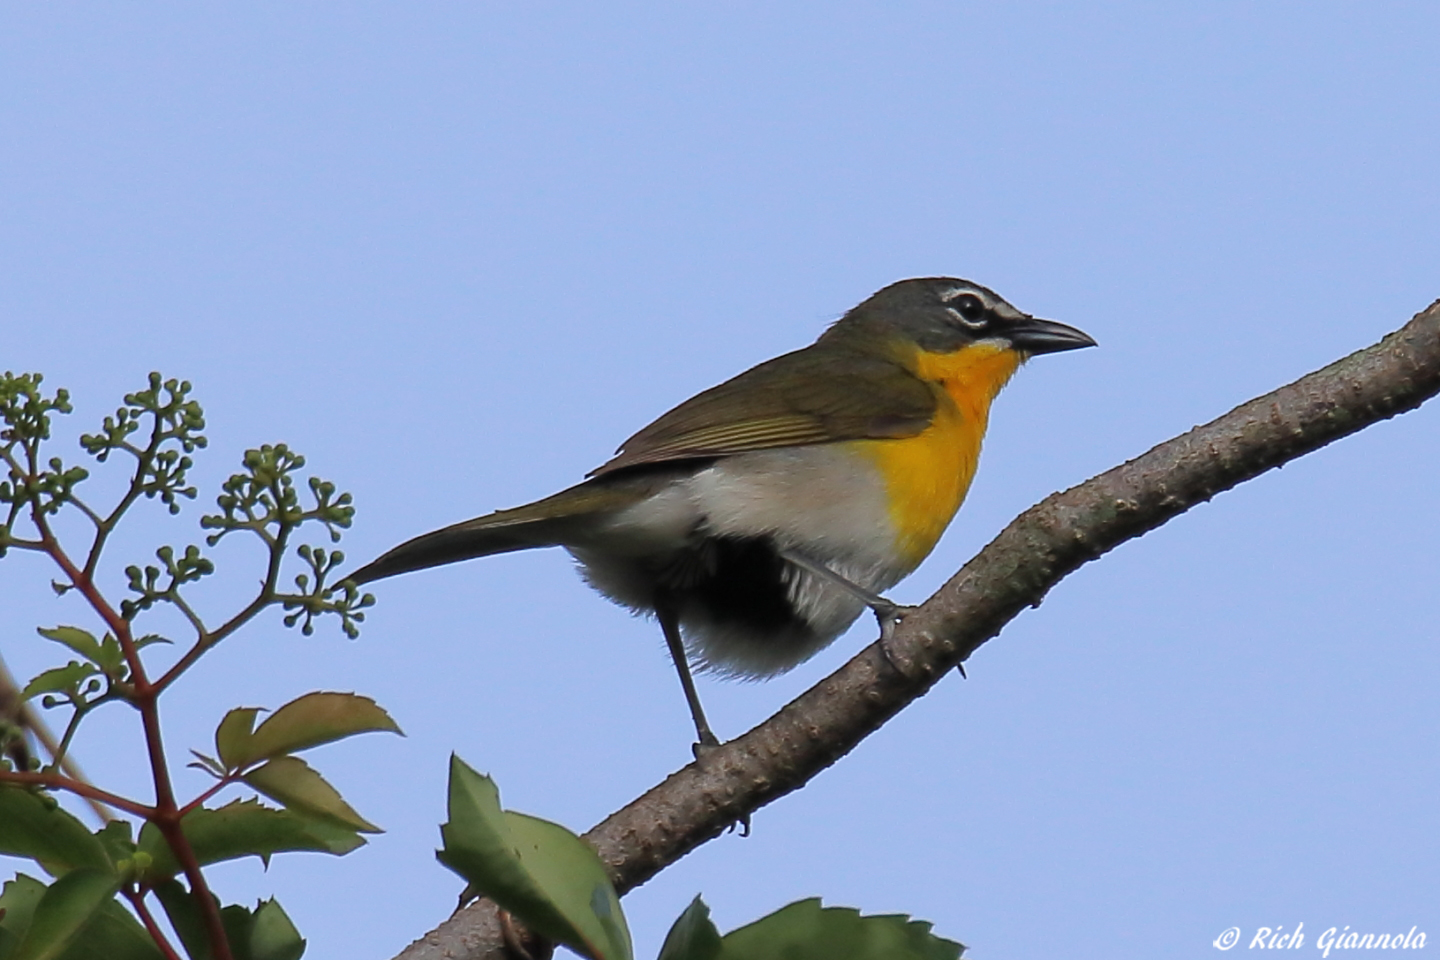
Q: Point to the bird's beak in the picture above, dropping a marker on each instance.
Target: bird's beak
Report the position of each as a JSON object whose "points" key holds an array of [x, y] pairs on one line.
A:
{"points": [[1033, 336]]}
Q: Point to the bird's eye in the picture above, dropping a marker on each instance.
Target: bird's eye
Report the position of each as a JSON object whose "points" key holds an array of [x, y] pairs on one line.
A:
{"points": [[971, 311]]}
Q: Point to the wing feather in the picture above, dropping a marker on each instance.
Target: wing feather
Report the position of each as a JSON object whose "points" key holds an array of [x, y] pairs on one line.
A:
{"points": [[801, 398]]}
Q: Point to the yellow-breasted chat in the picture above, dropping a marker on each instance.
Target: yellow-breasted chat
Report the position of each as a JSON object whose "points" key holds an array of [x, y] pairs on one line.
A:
{"points": [[758, 519]]}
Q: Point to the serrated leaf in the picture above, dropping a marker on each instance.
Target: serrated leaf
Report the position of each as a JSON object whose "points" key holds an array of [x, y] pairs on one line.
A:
{"points": [[693, 936], [150, 639], [112, 658], [272, 935], [291, 781], [232, 737], [245, 828], [80, 641], [115, 839], [239, 923], [208, 764], [265, 933], [807, 931], [60, 679], [67, 906], [313, 719], [542, 873], [35, 827]]}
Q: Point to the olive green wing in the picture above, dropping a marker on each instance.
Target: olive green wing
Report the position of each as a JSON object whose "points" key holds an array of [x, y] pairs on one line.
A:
{"points": [[801, 398]]}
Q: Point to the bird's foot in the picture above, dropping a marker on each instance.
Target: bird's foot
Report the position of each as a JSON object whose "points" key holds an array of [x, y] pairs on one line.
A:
{"points": [[889, 615], [706, 745]]}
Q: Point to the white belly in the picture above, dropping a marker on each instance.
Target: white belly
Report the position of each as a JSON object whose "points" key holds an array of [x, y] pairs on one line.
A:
{"points": [[822, 501]]}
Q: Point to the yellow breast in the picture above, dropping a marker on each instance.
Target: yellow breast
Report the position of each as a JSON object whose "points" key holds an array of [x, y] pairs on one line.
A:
{"points": [[928, 475]]}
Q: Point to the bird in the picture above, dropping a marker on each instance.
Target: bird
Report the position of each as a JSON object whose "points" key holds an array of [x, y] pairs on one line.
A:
{"points": [[759, 519]]}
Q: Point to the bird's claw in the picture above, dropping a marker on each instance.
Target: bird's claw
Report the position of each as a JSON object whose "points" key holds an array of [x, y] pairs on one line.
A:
{"points": [[706, 745], [889, 615]]}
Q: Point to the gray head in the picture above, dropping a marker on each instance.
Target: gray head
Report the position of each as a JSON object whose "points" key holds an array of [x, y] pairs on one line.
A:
{"points": [[943, 314]]}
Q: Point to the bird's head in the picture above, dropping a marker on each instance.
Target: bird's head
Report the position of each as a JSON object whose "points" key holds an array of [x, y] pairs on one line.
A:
{"points": [[941, 315]]}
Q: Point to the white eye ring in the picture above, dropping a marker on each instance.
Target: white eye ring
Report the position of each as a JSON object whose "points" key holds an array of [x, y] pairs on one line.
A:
{"points": [[979, 322]]}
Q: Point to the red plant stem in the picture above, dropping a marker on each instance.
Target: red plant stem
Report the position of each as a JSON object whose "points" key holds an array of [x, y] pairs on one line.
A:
{"points": [[117, 624], [144, 697], [79, 788], [219, 785], [137, 900]]}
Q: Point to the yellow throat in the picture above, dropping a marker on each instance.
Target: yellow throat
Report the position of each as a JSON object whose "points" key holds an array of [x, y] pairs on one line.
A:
{"points": [[928, 475]]}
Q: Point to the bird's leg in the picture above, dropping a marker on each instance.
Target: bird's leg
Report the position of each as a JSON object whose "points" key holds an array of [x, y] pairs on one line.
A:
{"points": [[670, 625], [708, 741], [888, 612]]}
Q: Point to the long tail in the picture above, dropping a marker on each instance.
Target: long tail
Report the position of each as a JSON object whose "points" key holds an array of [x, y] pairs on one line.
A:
{"points": [[554, 521]]}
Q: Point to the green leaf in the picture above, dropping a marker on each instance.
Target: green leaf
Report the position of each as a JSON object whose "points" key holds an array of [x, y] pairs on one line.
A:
{"points": [[239, 923], [189, 925], [17, 900], [66, 679], [34, 826], [185, 919], [81, 641], [291, 781], [693, 937], [115, 840], [311, 720], [807, 931], [112, 658], [67, 906], [244, 828], [273, 936], [542, 873], [232, 736], [114, 934], [263, 934], [209, 764]]}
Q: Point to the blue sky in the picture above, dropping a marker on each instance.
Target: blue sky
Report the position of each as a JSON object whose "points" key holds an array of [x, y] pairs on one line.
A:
{"points": [[454, 253]]}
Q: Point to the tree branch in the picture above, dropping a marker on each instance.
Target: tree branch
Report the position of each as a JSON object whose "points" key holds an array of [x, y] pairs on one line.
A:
{"points": [[1016, 570]]}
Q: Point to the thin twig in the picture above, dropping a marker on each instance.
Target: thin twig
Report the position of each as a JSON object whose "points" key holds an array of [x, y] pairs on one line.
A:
{"points": [[207, 640], [142, 910], [58, 781]]}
